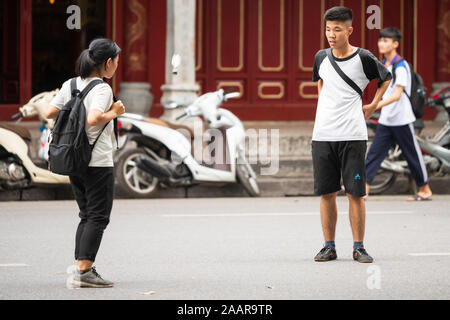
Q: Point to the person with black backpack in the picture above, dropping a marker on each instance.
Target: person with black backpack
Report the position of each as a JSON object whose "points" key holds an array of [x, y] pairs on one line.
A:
{"points": [[402, 103], [82, 148]]}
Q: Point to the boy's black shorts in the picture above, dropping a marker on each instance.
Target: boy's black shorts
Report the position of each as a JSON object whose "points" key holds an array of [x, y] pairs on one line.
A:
{"points": [[336, 159]]}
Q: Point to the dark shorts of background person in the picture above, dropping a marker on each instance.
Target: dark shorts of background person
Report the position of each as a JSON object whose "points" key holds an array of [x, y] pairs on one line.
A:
{"points": [[94, 193], [336, 160]]}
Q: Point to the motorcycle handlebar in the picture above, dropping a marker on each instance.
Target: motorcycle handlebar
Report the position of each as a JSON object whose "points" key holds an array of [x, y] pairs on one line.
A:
{"points": [[16, 116], [182, 116]]}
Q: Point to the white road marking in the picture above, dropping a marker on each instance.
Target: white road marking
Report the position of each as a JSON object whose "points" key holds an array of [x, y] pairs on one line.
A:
{"points": [[430, 254], [273, 214], [13, 265]]}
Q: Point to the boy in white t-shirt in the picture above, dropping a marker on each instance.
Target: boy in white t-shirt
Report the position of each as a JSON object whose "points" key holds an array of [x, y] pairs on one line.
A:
{"points": [[396, 119], [340, 133]]}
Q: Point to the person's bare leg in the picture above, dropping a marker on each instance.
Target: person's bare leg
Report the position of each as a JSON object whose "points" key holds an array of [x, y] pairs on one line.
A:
{"points": [[367, 191], [357, 214], [328, 215], [425, 191], [84, 265]]}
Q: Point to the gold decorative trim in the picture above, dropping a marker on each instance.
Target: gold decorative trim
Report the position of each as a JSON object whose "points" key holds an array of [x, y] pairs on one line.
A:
{"points": [[222, 84], [263, 85], [381, 16], [220, 67], [200, 87], [363, 23], [136, 31], [260, 38], [114, 33], [199, 36], [380, 56], [415, 36], [307, 84], [300, 41], [402, 24]]}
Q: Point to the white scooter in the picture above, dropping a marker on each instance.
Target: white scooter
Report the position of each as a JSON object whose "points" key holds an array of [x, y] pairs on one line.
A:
{"points": [[17, 169], [164, 153]]}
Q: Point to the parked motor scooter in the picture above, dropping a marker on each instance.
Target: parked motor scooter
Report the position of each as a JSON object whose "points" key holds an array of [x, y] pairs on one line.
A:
{"points": [[17, 169], [163, 155]]}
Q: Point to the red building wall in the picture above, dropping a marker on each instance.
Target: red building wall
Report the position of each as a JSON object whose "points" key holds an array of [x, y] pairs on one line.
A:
{"points": [[262, 48]]}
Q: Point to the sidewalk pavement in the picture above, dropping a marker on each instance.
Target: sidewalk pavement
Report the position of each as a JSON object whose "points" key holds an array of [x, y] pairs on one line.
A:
{"points": [[294, 176]]}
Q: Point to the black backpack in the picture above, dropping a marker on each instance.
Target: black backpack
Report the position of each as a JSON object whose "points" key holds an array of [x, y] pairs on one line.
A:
{"points": [[418, 90], [69, 150]]}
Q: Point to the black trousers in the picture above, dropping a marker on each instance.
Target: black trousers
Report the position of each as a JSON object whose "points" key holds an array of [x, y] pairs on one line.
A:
{"points": [[404, 136], [94, 193]]}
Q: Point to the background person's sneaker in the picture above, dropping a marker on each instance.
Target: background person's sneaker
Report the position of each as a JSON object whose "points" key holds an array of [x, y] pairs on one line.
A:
{"points": [[90, 279], [362, 256], [326, 254]]}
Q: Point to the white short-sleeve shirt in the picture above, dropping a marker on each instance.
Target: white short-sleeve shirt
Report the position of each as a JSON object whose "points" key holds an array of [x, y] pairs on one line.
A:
{"points": [[99, 98], [339, 115], [398, 113]]}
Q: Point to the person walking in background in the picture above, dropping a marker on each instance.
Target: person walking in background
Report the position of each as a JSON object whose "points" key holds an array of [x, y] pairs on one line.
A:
{"points": [[396, 119], [340, 133], [93, 189]]}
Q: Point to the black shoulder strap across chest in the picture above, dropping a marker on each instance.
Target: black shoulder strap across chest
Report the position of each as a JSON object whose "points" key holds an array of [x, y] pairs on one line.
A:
{"points": [[341, 73]]}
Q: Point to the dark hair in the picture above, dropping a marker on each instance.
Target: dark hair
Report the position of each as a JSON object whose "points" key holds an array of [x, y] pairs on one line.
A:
{"points": [[342, 14], [391, 33], [98, 53]]}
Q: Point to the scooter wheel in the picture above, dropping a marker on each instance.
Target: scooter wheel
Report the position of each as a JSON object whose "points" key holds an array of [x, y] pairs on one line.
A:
{"points": [[247, 180], [135, 182], [382, 182]]}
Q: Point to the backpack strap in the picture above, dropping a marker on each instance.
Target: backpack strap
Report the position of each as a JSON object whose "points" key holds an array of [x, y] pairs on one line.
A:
{"points": [[394, 66], [89, 87], [341, 73], [84, 93], [98, 137], [73, 88], [116, 128]]}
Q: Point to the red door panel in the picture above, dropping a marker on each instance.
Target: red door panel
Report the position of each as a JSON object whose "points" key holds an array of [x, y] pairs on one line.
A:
{"points": [[265, 50]]}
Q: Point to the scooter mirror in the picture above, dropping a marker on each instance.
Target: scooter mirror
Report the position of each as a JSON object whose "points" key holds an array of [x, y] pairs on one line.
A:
{"points": [[176, 61], [233, 95]]}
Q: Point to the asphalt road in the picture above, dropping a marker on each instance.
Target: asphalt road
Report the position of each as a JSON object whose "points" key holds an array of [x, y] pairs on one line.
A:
{"points": [[238, 248]]}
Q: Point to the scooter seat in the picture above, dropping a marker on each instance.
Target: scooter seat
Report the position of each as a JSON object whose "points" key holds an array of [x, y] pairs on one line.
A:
{"points": [[22, 132], [158, 122], [179, 126]]}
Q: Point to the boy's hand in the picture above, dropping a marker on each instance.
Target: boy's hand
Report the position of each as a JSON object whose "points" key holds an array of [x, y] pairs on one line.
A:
{"points": [[118, 108], [368, 110]]}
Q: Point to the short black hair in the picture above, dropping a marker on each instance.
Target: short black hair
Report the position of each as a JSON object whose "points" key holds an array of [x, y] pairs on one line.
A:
{"points": [[342, 14], [391, 33]]}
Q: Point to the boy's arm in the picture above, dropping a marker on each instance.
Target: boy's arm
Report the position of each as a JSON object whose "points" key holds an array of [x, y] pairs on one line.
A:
{"points": [[319, 86], [375, 70], [398, 90], [369, 109], [318, 59], [400, 84]]}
